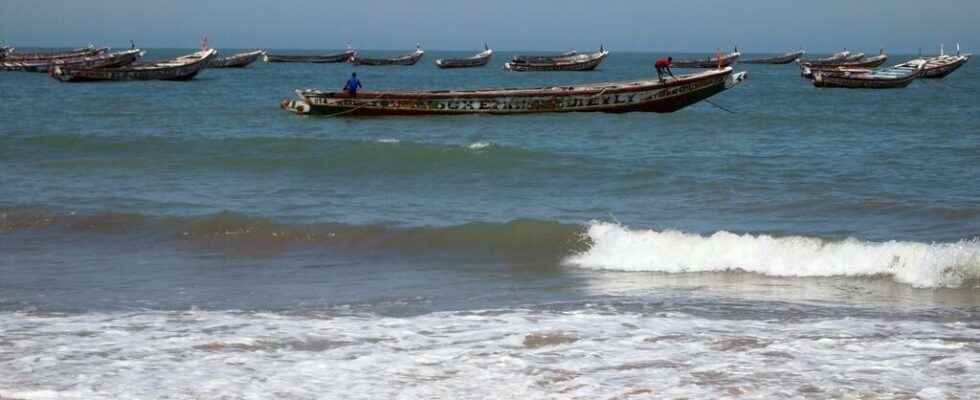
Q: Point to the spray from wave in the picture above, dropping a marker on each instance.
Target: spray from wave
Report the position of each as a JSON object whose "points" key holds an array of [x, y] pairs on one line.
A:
{"points": [[615, 247]]}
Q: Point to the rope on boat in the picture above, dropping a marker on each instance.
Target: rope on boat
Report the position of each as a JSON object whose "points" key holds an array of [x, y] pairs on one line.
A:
{"points": [[719, 107]]}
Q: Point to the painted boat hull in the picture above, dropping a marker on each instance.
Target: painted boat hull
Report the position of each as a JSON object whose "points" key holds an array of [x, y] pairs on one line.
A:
{"points": [[638, 96], [807, 70], [580, 62], [84, 52], [312, 59], [783, 59], [240, 60], [713, 62], [943, 71], [180, 69], [408, 59], [478, 60], [544, 59], [861, 81], [106, 60]]}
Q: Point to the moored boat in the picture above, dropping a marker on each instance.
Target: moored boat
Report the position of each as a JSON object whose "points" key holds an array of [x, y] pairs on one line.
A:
{"points": [[807, 69], [650, 95], [576, 62], [405, 59], [717, 61], [81, 52], [835, 58], [543, 58], [885, 78], [103, 60], [310, 58], [941, 66], [479, 60], [179, 69], [854, 57], [240, 60], [786, 58]]}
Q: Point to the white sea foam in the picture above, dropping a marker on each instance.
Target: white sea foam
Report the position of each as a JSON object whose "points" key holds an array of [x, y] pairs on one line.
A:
{"points": [[388, 140], [479, 145], [518, 354], [616, 247]]}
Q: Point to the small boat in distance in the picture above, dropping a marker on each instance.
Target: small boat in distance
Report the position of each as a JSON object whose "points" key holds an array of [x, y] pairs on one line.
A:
{"points": [[406, 59], [540, 58], [179, 69], [835, 58], [895, 77], [103, 60], [478, 60], [81, 52], [240, 60], [310, 58], [576, 62], [649, 95], [941, 66], [786, 58], [854, 57], [807, 69], [718, 61]]}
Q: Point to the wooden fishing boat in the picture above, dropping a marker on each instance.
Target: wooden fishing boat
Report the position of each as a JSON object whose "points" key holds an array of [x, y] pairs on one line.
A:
{"points": [[104, 60], [240, 60], [941, 66], [807, 69], [651, 95], [543, 58], [406, 59], [311, 58], [82, 52], [712, 62], [783, 59], [835, 58], [179, 69], [577, 62], [884, 78], [478, 60]]}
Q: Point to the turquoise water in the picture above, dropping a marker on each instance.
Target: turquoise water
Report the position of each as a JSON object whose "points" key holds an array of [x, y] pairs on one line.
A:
{"points": [[824, 220]]}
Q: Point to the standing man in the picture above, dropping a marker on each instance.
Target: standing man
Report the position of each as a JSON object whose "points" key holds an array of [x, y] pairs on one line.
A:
{"points": [[663, 65], [352, 85]]}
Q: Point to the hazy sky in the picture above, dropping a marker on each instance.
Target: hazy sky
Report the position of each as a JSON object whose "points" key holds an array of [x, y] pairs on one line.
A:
{"points": [[666, 25]]}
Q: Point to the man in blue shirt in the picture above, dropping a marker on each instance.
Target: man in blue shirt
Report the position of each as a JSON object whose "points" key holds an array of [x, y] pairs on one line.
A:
{"points": [[352, 85]]}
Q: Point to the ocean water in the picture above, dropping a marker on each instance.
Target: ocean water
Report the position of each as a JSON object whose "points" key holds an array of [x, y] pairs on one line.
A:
{"points": [[192, 240]]}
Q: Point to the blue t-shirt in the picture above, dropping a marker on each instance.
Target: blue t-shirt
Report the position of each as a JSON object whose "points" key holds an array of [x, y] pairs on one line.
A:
{"points": [[352, 85]]}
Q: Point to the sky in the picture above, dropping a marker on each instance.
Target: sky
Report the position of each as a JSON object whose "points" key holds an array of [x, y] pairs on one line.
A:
{"points": [[900, 26]]}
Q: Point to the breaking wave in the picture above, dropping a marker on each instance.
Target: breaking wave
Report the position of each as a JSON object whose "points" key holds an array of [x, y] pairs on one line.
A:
{"points": [[615, 247]]}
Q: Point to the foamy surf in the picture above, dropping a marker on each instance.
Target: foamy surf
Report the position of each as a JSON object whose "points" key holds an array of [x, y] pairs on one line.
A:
{"points": [[616, 247], [500, 354], [479, 145]]}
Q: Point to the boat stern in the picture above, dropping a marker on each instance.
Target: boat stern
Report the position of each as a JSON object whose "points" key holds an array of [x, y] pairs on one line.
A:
{"points": [[300, 105], [735, 79]]}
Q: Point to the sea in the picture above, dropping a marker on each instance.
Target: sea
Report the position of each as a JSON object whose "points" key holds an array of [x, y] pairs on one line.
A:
{"points": [[192, 240]]}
